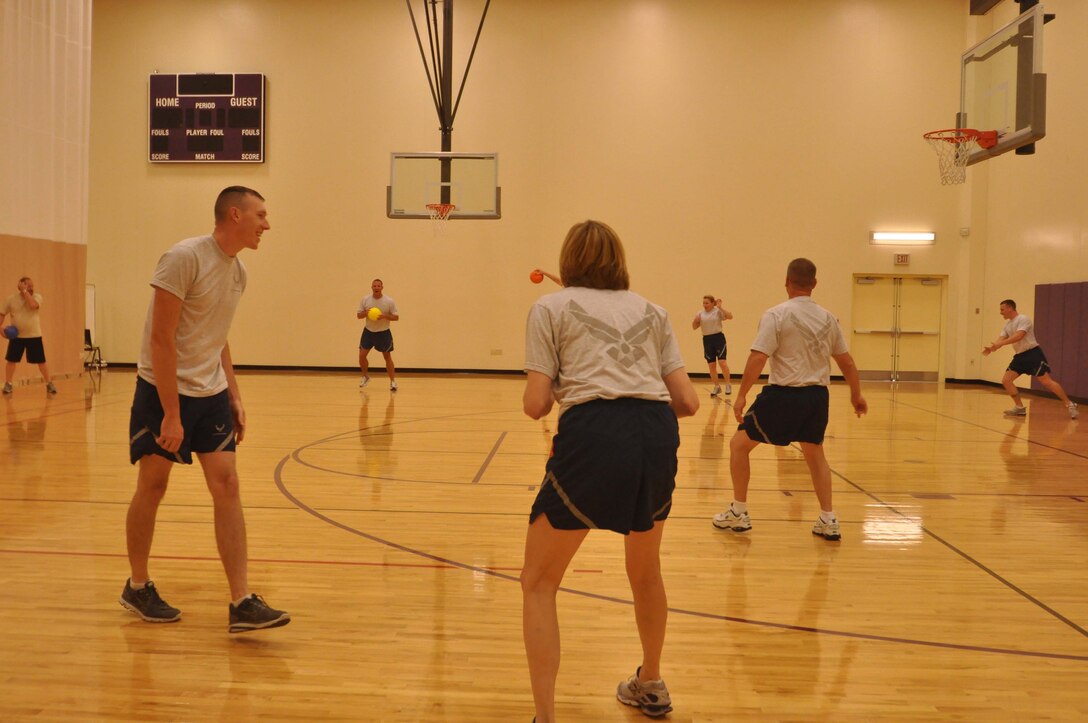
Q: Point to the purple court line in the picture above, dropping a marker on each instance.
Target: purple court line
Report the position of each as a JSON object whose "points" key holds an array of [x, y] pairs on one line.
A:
{"points": [[990, 429], [490, 456], [278, 479], [269, 560], [948, 545]]}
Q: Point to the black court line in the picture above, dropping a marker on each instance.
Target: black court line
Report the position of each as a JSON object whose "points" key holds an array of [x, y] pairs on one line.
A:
{"points": [[490, 456], [281, 485]]}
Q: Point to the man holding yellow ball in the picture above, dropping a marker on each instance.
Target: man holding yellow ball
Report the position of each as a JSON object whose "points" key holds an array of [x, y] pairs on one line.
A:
{"points": [[378, 310]]}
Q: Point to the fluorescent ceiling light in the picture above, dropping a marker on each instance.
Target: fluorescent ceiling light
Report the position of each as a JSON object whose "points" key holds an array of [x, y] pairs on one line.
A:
{"points": [[902, 238]]}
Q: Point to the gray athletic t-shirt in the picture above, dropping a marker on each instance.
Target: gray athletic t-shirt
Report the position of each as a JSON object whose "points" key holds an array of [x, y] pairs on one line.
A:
{"points": [[799, 336], [711, 321], [601, 344], [209, 284], [386, 304], [1021, 322]]}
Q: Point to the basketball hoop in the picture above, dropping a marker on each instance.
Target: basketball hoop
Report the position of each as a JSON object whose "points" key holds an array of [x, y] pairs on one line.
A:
{"points": [[954, 147], [440, 213]]}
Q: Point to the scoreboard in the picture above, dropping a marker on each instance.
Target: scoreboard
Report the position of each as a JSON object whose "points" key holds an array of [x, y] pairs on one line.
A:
{"points": [[206, 117]]}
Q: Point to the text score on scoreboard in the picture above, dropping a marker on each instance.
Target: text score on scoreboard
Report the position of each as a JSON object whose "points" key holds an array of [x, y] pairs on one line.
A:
{"points": [[206, 117]]}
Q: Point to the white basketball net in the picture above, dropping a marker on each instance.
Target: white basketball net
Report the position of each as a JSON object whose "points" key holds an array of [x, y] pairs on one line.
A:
{"points": [[440, 213], [954, 149]]}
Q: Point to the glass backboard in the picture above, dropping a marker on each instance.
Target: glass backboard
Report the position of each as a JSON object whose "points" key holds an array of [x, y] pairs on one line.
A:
{"points": [[1003, 87], [470, 181]]}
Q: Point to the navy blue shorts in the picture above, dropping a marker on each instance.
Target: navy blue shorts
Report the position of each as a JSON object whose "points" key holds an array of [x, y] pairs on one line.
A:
{"points": [[714, 347], [380, 340], [782, 415], [613, 467], [1031, 362], [207, 421], [35, 350]]}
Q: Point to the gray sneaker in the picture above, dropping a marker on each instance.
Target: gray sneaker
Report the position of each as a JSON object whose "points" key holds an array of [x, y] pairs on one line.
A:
{"points": [[728, 388], [393, 385], [1016, 412], [363, 382], [715, 391], [146, 603], [254, 614], [650, 696], [1073, 413], [730, 520], [7, 389], [50, 388]]}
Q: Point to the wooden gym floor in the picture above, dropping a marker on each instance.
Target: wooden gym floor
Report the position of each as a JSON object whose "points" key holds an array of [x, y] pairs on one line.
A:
{"points": [[391, 527]]}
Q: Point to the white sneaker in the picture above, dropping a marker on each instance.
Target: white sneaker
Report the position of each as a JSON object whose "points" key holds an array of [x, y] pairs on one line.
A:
{"points": [[730, 520], [393, 385], [1073, 413], [715, 391], [728, 388], [1016, 412], [363, 382], [827, 530]]}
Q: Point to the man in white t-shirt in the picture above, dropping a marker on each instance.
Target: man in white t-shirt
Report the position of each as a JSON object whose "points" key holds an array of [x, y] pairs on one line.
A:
{"points": [[797, 336], [1019, 331], [187, 400], [24, 308]]}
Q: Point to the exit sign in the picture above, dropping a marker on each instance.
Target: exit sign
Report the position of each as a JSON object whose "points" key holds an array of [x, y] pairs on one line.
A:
{"points": [[902, 259]]}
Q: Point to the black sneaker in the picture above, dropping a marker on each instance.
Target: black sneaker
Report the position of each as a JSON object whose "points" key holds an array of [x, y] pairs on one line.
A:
{"points": [[146, 603], [254, 614]]}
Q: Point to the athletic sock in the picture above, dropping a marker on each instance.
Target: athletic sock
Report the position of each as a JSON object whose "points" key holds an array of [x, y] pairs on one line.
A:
{"points": [[739, 507], [827, 516]]}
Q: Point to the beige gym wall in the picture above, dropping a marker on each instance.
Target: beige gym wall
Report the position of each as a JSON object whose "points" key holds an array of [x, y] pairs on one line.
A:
{"points": [[720, 139]]}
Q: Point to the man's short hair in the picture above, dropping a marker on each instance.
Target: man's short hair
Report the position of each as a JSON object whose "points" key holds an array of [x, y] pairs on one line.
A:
{"points": [[1009, 303], [801, 273], [232, 196]]}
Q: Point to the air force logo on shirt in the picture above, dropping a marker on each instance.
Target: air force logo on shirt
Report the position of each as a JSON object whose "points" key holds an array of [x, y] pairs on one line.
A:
{"points": [[625, 347]]}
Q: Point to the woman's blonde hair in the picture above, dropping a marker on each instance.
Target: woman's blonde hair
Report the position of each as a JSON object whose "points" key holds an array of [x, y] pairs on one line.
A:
{"points": [[592, 256]]}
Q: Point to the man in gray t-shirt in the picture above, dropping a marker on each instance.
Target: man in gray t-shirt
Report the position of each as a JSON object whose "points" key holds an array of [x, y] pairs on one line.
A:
{"points": [[377, 310], [187, 400], [797, 336]]}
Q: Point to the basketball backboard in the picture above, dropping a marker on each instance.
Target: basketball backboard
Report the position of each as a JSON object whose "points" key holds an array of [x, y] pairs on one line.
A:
{"points": [[1003, 87], [470, 181]]}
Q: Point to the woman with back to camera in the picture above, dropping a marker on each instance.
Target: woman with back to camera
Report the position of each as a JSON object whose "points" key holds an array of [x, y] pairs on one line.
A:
{"points": [[610, 359]]}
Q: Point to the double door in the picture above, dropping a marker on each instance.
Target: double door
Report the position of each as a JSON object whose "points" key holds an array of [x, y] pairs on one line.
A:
{"points": [[897, 327]]}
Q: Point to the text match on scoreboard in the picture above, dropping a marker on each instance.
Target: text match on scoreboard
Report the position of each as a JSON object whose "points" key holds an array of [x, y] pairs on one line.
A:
{"points": [[206, 117]]}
